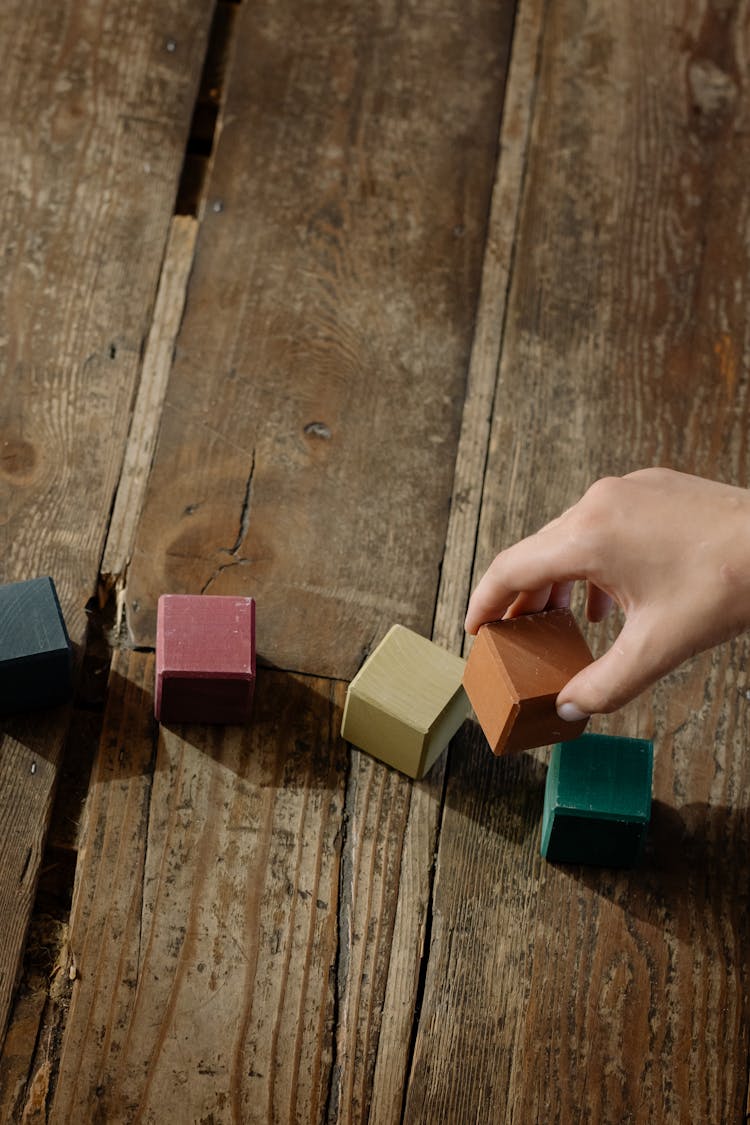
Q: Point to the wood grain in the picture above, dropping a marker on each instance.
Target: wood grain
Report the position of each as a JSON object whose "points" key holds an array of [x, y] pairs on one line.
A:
{"points": [[18, 1052], [411, 928], [308, 440], [204, 928], [561, 994], [94, 110], [377, 811], [499, 253], [28, 768], [92, 153], [152, 386], [95, 113], [262, 929]]}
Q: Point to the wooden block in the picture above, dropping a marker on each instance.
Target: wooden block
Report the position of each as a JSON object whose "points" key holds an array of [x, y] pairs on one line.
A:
{"points": [[406, 702], [597, 802], [205, 659], [514, 673], [35, 651]]}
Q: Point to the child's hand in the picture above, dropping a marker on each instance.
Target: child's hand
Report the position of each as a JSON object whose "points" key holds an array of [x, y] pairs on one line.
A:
{"points": [[673, 551]]}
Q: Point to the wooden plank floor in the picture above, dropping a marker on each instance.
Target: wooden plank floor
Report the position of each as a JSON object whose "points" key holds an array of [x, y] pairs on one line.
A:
{"points": [[94, 114], [443, 265]]}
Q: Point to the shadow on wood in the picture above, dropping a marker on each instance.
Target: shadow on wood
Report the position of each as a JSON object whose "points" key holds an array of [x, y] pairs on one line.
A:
{"points": [[696, 857], [503, 796], [287, 709]]}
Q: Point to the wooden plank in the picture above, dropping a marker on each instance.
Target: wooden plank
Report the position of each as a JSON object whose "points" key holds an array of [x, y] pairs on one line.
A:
{"points": [[40, 1005], [18, 1052], [392, 834], [28, 1066], [308, 440], [499, 249], [411, 928], [377, 869], [95, 113], [94, 109], [561, 994], [204, 927], [28, 767]]}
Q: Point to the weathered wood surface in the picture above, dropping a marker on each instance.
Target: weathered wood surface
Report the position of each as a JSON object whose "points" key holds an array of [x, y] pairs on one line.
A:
{"points": [[562, 994], [94, 111], [204, 929], [30, 1052], [393, 831], [256, 934], [308, 441]]}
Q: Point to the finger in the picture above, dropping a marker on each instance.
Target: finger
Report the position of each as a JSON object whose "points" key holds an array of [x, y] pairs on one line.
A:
{"points": [[538, 562], [529, 601], [487, 603], [634, 662], [598, 603], [560, 595]]}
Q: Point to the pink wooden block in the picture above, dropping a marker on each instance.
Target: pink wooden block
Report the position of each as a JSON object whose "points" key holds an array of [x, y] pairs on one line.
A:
{"points": [[205, 659]]}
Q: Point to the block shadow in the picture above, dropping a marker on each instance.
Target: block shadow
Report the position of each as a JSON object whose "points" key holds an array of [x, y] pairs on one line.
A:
{"points": [[294, 728], [503, 795], [696, 858], [696, 862], [42, 730]]}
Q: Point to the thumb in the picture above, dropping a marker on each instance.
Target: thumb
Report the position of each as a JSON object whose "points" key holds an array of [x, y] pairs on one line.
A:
{"points": [[633, 663]]}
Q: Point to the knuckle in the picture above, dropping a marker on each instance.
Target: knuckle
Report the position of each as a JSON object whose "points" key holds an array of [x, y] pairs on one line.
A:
{"points": [[658, 475], [604, 493], [590, 517]]}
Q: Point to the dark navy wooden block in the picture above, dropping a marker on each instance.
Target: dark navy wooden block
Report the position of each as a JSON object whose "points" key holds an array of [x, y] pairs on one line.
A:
{"points": [[205, 658], [35, 651], [597, 802]]}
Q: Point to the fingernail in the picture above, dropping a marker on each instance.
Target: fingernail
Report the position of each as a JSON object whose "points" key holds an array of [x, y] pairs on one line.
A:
{"points": [[569, 713]]}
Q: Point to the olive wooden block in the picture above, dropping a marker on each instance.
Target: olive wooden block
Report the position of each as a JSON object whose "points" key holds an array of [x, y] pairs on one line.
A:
{"points": [[35, 651], [597, 801], [205, 658], [514, 673], [406, 702]]}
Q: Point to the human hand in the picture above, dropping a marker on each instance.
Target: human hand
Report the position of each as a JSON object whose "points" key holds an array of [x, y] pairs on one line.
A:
{"points": [[672, 550]]}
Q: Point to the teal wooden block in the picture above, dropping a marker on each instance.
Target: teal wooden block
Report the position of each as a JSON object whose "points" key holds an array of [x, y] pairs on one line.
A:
{"points": [[597, 802]]}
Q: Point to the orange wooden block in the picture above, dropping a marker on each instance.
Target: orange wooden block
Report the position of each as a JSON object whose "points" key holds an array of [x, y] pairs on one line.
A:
{"points": [[514, 673]]}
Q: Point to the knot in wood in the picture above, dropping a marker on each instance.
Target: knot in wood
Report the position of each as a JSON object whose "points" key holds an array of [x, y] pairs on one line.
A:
{"points": [[318, 430]]}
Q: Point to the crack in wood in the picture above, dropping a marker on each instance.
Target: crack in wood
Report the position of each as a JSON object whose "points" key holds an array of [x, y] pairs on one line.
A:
{"points": [[25, 868], [206, 121], [244, 525], [245, 512], [146, 827], [340, 967]]}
